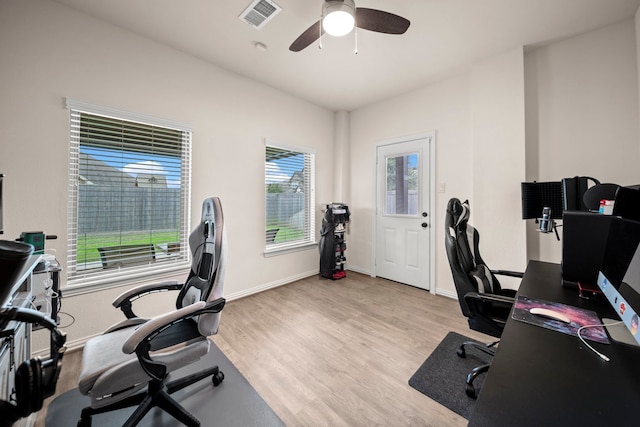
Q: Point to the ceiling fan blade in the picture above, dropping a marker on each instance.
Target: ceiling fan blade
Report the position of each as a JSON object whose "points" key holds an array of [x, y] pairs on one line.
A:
{"points": [[310, 35], [380, 21]]}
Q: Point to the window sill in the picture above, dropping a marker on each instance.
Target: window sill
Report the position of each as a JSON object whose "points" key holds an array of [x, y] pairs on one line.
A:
{"points": [[286, 249], [134, 278]]}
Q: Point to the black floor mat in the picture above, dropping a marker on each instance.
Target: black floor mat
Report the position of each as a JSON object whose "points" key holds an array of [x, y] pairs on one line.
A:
{"points": [[442, 376], [232, 403]]}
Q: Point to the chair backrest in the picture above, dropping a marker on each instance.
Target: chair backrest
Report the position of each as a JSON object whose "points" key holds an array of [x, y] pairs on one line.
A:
{"points": [[208, 250], [470, 273]]}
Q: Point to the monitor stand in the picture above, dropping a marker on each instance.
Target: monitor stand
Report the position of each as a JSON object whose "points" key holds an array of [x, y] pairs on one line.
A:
{"points": [[618, 331]]}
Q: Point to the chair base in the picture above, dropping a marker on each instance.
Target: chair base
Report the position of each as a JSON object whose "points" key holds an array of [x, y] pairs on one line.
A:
{"points": [[470, 390], [157, 395], [488, 349]]}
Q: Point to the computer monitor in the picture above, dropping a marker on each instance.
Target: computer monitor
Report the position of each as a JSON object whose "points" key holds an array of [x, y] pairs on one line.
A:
{"points": [[619, 276], [627, 203]]}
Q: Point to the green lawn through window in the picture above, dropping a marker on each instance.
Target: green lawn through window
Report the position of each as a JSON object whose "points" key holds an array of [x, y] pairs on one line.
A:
{"points": [[87, 249]]}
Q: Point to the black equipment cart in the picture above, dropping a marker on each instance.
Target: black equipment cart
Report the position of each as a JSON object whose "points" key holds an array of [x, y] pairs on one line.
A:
{"points": [[332, 243]]}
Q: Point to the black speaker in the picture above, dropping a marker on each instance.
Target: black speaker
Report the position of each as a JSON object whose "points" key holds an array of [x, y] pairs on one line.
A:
{"points": [[584, 237]]}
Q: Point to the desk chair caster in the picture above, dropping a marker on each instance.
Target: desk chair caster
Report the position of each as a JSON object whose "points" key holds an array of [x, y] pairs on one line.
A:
{"points": [[470, 390], [217, 379], [488, 349]]}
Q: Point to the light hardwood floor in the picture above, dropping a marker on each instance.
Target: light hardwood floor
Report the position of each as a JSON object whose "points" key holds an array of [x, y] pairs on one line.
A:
{"points": [[334, 353]]}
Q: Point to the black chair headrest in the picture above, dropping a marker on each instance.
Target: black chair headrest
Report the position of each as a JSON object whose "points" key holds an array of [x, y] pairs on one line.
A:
{"points": [[593, 195], [459, 212]]}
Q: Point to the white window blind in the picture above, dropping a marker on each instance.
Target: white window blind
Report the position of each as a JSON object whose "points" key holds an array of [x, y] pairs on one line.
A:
{"points": [[289, 188], [129, 198]]}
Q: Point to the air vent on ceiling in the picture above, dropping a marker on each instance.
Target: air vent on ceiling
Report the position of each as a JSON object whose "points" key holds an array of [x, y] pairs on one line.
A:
{"points": [[259, 13]]}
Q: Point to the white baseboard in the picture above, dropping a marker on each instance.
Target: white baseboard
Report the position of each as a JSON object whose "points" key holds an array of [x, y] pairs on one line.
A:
{"points": [[446, 293], [79, 343], [359, 270], [267, 286], [443, 292]]}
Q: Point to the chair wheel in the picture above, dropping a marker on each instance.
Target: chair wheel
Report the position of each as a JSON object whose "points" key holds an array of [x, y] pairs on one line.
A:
{"points": [[470, 391], [217, 379]]}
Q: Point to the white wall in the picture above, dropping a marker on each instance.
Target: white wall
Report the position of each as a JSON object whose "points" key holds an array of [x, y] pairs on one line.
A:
{"points": [[576, 98], [478, 117], [582, 114], [579, 93], [49, 52], [443, 107], [497, 101], [637, 33]]}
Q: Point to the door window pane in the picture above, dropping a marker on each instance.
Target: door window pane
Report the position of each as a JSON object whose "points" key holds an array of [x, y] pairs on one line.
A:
{"points": [[402, 185]]}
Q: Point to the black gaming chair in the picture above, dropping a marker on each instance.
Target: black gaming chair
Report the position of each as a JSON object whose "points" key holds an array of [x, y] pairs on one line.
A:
{"points": [[485, 304], [131, 363]]}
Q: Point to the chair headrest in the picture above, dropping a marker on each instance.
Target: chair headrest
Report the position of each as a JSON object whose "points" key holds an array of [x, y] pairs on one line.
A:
{"points": [[593, 195], [459, 212]]}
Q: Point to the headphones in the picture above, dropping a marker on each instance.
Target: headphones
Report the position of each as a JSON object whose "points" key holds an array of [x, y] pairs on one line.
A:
{"points": [[35, 379]]}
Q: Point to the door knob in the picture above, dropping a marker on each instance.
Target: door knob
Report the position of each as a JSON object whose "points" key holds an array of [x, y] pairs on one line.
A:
{"points": [[425, 225], [424, 214]]}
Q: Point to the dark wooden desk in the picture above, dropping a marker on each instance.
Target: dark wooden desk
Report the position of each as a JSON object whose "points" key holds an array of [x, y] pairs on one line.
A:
{"points": [[540, 377]]}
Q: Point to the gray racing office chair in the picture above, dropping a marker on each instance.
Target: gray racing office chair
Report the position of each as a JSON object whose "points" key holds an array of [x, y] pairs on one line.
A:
{"points": [[485, 304], [130, 364]]}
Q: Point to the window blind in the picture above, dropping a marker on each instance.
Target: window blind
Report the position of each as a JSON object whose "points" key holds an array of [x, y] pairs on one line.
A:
{"points": [[129, 198], [289, 188]]}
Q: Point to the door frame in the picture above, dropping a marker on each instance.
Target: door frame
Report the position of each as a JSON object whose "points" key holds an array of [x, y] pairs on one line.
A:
{"points": [[431, 150]]}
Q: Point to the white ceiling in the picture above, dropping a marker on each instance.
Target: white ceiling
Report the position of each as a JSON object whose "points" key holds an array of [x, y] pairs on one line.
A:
{"points": [[444, 37]]}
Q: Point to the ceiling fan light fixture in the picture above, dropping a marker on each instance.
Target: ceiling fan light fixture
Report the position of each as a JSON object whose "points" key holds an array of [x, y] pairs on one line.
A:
{"points": [[338, 17]]}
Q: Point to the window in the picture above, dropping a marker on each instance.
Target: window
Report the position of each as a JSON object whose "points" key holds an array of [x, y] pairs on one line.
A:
{"points": [[290, 201], [129, 195], [402, 185]]}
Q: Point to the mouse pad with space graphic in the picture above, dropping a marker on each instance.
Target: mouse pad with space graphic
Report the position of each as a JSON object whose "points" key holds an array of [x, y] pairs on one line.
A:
{"points": [[579, 317]]}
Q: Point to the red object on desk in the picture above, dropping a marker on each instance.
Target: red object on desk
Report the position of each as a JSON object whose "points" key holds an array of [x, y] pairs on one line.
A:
{"points": [[589, 291]]}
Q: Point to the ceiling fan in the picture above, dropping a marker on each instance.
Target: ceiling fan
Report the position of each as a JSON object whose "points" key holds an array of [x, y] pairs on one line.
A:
{"points": [[340, 16]]}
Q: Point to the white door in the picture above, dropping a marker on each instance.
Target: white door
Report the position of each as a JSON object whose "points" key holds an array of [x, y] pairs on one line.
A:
{"points": [[402, 212]]}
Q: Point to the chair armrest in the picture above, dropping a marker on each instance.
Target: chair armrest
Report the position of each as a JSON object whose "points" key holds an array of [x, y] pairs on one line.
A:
{"points": [[124, 300], [215, 306], [508, 273], [127, 323], [148, 330], [490, 306], [496, 299], [152, 326], [140, 340]]}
